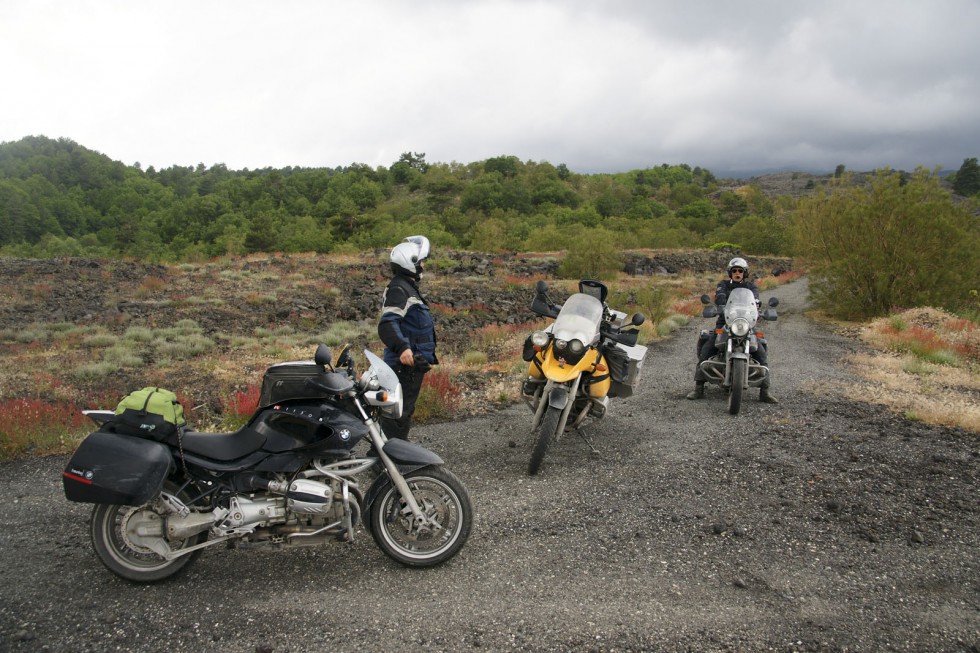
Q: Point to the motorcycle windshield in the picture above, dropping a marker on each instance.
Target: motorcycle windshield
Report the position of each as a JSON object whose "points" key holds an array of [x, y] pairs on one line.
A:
{"points": [[386, 376], [579, 319], [741, 304]]}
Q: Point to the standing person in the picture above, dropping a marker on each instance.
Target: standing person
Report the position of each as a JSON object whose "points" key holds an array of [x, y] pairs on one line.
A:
{"points": [[406, 329], [738, 273]]}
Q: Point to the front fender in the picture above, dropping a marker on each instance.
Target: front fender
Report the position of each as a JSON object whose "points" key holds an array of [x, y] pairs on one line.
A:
{"points": [[403, 452], [558, 397]]}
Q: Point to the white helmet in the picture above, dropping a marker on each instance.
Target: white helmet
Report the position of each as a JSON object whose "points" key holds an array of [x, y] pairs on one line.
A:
{"points": [[408, 256], [738, 263]]}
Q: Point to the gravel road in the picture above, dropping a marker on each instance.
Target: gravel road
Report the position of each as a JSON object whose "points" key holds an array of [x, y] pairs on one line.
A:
{"points": [[817, 524]]}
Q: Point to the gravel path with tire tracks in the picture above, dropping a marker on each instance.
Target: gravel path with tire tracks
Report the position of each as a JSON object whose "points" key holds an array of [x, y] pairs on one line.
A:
{"points": [[817, 524]]}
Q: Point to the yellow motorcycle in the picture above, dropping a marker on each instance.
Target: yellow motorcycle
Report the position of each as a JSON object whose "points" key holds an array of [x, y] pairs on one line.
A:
{"points": [[587, 355]]}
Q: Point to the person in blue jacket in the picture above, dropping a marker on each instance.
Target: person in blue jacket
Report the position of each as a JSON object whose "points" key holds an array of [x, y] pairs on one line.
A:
{"points": [[407, 330]]}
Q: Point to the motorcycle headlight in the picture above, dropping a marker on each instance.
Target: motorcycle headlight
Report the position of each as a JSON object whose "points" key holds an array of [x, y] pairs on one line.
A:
{"points": [[561, 344], [740, 326], [576, 346], [539, 339]]}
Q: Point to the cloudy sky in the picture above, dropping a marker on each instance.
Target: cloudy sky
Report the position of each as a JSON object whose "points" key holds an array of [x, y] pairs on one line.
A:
{"points": [[600, 85]]}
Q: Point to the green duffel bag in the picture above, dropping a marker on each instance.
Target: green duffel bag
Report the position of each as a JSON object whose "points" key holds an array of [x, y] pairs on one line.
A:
{"points": [[151, 413]]}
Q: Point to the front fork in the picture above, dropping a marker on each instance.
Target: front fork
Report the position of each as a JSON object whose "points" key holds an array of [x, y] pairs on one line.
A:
{"points": [[378, 439], [545, 401]]}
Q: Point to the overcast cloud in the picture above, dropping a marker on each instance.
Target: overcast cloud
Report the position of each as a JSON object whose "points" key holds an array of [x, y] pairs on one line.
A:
{"points": [[602, 86]]}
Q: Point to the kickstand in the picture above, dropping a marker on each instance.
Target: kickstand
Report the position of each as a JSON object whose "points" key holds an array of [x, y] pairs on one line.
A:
{"points": [[588, 442]]}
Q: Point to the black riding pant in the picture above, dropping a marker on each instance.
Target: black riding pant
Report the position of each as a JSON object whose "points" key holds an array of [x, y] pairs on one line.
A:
{"points": [[411, 381]]}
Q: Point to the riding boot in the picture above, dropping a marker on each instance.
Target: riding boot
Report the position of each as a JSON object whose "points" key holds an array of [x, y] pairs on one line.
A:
{"points": [[767, 398], [698, 392]]}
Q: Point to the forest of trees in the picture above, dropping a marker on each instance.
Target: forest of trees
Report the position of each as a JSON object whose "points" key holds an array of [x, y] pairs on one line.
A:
{"points": [[58, 198]]}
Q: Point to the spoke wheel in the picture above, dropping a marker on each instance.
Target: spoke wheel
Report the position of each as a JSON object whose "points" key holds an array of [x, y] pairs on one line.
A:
{"points": [[120, 535], [446, 504], [546, 432], [738, 385]]}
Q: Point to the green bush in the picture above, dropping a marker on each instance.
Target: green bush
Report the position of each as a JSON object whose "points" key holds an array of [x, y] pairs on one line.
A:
{"points": [[592, 255], [893, 243]]}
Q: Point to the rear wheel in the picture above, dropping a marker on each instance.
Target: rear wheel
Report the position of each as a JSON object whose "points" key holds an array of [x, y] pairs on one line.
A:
{"points": [[446, 504], [547, 431], [122, 537], [738, 385]]}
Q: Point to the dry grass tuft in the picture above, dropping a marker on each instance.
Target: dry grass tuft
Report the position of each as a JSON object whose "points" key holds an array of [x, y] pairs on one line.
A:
{"points": [[927, 367]]}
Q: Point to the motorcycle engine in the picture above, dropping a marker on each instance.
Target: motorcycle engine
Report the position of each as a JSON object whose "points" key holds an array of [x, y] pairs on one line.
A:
{"points": [[309, 497]]}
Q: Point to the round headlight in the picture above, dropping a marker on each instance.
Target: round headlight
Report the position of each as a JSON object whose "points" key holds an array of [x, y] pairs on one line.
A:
{"points": [[740, 327], [561, 344], [576, 346], [539, 338]]}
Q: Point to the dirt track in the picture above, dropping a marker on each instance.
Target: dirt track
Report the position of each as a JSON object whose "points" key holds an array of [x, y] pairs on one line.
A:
{"points": [[816, 524]]}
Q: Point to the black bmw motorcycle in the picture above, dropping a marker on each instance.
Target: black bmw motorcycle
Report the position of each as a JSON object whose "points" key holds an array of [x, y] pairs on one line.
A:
{"points": [[289, 477]]}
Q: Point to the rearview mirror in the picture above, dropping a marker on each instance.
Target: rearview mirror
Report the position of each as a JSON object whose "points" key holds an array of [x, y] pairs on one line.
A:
{"points": [[323, 356]]}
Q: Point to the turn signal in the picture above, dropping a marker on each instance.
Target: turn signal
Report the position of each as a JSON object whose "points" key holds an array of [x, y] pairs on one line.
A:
{"points": [[718, 330], [760, 334]]}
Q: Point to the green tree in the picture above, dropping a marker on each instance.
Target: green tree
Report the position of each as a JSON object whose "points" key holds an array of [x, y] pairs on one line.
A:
{"points": [[967, 180], [889, 244], [593, 254], [261, 236]]}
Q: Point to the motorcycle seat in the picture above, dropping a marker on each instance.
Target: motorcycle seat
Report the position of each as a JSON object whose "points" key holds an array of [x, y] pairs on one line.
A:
{"points": [[222, 446]]}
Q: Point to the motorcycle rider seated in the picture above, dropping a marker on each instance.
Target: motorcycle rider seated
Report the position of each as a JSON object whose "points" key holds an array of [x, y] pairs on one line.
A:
{"points": [[407, 330], [738, 273]]}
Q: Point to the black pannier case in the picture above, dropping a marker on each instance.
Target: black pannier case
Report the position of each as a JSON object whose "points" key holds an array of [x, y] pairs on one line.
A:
{"points": [[116, 469], [288, 381]]}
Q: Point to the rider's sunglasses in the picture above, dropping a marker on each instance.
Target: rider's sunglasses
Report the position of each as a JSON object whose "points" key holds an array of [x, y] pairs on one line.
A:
{"points": [[738, 271]]}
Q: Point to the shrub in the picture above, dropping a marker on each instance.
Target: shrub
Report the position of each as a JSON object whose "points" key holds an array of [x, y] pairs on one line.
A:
{"points": [[474, 358], [37, 426], [138, 334], [238, 407], [438, 398], [888, 244], [592, 255]]}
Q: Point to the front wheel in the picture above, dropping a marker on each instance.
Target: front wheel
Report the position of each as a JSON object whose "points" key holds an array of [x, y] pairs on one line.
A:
{"points": [[446, 504], [738, 385], [121, 536], [547, 431]]}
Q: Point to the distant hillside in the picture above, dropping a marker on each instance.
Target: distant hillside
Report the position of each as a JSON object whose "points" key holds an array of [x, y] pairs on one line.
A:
{"points": [[59, 198]]}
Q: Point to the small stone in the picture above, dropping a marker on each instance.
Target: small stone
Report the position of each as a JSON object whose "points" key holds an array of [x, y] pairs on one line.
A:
{"points": [[918, 537]]}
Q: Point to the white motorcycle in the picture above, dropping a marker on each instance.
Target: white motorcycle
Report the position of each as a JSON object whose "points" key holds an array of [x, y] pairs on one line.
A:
{"points": [[733, 367]]}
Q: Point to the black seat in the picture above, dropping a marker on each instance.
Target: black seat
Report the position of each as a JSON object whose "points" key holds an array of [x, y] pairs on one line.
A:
{"points": [[222, 446]]}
